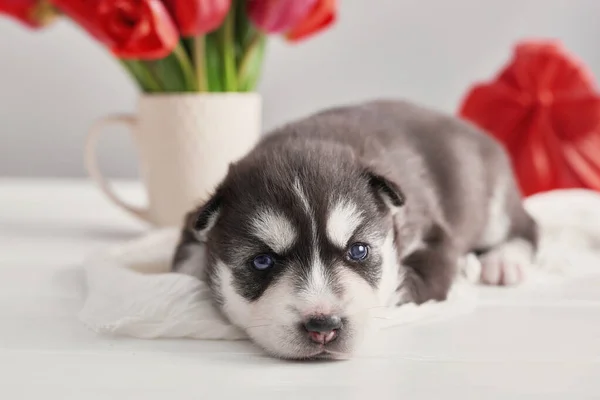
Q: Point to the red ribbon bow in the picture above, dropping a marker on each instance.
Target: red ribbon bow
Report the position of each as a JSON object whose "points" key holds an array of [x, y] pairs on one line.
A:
{"points": [[544, 108]]}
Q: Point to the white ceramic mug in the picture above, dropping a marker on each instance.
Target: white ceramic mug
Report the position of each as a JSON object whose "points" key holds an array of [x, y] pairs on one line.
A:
{"points": [[185, 143]]}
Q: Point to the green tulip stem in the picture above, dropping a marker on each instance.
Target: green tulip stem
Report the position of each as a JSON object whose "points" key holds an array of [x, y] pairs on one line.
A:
{"points": [[228, 52], [141, 74], [200, 62], [251, 62], [186, 67]]}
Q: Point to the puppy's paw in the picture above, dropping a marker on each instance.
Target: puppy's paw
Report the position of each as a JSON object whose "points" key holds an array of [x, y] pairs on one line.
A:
{"points": [[506, 265], [497, 269], [469, 268]]}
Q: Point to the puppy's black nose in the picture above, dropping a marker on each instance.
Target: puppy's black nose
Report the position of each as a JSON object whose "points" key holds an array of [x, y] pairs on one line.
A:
{"points": [[323, 323], [323, 329]]}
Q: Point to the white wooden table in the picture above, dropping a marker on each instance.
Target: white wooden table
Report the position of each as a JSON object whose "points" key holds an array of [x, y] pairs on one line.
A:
{"points": [[547, 346]]}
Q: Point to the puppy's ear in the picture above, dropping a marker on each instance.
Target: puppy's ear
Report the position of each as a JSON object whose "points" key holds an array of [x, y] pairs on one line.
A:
{"points": [[201, 220], [387, 190], [190, 253]]}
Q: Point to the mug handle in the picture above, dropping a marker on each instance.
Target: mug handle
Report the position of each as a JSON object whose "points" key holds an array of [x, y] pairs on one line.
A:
{"points": [[93, 169]]}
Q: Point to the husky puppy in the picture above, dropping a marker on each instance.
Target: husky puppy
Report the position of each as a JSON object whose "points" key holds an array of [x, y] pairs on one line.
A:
{"points": [[351, 209]]}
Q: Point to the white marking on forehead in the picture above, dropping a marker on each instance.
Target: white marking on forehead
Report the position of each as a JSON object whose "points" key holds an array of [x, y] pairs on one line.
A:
{"points": [[342, 221], [307, 209], [302, 195], [274, 229]]}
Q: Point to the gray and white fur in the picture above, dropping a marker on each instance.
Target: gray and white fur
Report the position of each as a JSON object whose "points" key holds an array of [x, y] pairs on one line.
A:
{"points": [[414, 187]]}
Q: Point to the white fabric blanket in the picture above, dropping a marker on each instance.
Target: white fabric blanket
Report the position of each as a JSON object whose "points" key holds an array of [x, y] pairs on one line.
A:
{"points": [[130, 291]]}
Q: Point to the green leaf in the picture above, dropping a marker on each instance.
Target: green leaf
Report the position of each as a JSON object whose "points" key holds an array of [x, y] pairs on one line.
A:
{"points": [[213, 62], [174, 72], [254, 68], [139, 71], [199, 51], [251, 64], [243, 30], [169, 73], [188, 45], [227, 42], [186, 67]]}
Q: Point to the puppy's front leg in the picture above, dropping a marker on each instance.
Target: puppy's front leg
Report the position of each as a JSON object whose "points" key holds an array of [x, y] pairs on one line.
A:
{"points": [[430, 270]]}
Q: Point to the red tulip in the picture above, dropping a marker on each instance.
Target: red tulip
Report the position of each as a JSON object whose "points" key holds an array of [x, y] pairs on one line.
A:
{"points": [[32, 13], [276, 16], [322, 15], [197, 17], [140, 29], [544, 108]]}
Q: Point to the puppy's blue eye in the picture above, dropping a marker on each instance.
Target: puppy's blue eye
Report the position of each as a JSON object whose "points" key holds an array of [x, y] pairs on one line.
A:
{"points": [[263, 261], [358, 251]]}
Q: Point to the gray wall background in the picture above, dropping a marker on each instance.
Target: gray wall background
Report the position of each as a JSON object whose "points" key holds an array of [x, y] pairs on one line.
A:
{"points": [[55, 83]]}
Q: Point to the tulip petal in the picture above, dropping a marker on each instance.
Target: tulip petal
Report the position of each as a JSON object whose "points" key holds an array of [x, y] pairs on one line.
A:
{"points": [[276, 16], [132, 29], [198, 17], [321, 17]]}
